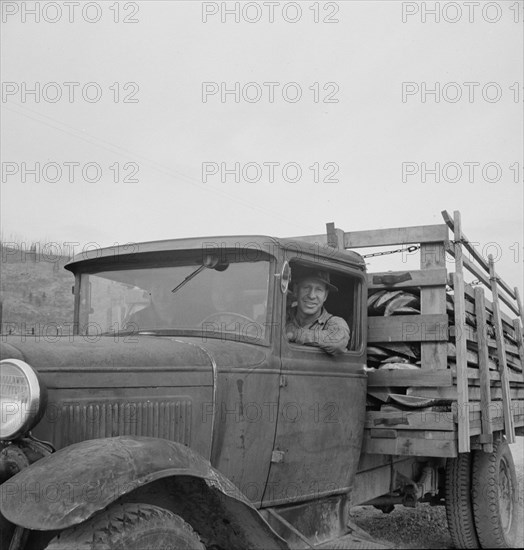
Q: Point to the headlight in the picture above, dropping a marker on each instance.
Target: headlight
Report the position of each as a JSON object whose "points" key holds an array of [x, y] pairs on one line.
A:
{"points": [[22, 398]]}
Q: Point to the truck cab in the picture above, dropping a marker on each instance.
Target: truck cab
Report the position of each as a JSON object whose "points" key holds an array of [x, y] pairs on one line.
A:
{"points": [[185, 341]]}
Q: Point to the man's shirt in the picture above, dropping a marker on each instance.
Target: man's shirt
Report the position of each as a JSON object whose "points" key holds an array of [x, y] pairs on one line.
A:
{"points": [[327, 332]]}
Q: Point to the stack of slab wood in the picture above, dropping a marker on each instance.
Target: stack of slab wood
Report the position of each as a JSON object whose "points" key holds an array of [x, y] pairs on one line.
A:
{"points": [[398, 355], [445, 362]]}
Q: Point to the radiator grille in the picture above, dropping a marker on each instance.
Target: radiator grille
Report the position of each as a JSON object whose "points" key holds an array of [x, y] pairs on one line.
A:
{"points": [[76, 422]]}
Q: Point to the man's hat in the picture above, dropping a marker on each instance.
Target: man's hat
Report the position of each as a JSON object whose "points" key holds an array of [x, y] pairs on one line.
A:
{"points": [[322, 276]]}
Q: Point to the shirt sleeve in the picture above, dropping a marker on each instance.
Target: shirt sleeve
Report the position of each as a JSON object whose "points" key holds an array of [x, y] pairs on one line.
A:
{"points": [[333, 339]]}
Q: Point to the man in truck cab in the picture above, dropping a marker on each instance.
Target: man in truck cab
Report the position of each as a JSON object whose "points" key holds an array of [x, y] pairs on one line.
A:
{"points": [[308, 322]]}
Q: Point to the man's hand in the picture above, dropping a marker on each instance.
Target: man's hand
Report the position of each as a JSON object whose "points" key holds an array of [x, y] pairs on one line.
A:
{"points": [[291, 333]]}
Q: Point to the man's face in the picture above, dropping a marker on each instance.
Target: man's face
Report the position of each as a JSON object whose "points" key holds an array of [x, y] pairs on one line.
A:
{"points": [[311, 295]]}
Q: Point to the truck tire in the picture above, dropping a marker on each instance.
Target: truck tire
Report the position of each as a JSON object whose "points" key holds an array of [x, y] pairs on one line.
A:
{"points": [[129, 527], [459, 508], [495, 497]]}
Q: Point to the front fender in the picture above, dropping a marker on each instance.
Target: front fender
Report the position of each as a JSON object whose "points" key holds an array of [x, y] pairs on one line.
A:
{"points": [[69, 486]]}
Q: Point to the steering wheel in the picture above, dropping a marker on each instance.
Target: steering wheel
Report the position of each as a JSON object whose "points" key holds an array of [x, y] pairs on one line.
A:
{"points": [[220, 314]]}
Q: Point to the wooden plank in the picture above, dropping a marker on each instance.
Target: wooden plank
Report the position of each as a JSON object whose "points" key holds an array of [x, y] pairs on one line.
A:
{"points": [[418, 278], [485, 399], [501, 349], [496, 409], [494, 375], [473, 361], [390, 433], [489, 306], [396, 236], [498, 423], [475, 254], [451, 393], [408, 446], [474, 270], [519, 338], [471, 336], [408, 328], [409, 377], [411, 420], [519, 305], [460, 342], [433, 355], [465, 241]]}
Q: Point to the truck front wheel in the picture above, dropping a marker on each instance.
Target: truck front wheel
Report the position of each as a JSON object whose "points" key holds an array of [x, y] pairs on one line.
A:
{"points": [[129, 527], [495, 497]]}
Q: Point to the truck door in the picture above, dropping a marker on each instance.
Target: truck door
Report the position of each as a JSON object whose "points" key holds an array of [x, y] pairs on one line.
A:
{"points": [[321, 405]]}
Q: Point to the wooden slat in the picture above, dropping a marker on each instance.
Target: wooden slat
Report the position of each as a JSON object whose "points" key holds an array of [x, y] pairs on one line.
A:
{"points": [[391, 433], [501, 349], [396, 236], [471, 336], [485, 399], [408, 328], [474, 252], [474, 270], [519, 305], [465, 241], [435, 420], [411, 420], [489, 306], [409, 446], [494, 375], [507, 300], [419, 278], [433, 355], [507, 322], [498, 424], [519, 338], [473, 360], [473, 393], [410, 377], [495, 410], [461, 342]]}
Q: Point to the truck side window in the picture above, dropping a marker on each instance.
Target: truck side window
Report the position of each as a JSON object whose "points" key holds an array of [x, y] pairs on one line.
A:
{"points": [[343, 302]]}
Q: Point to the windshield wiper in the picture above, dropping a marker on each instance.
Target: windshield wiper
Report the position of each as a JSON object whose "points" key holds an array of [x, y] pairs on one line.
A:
{"points": [[188, 278]]}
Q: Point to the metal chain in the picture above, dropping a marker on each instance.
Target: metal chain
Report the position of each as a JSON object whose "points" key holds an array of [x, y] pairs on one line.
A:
{"points": [[386, 253]]}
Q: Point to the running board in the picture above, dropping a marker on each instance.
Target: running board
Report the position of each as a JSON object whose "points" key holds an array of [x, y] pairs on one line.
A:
{"points": [[357, 538], [352, 541]]}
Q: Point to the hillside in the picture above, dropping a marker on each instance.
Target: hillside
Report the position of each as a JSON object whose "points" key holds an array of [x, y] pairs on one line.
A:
{"points": [[35, 294]]}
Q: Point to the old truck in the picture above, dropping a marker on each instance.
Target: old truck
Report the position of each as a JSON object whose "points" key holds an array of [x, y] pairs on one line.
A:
{"points": [[176, 413]]}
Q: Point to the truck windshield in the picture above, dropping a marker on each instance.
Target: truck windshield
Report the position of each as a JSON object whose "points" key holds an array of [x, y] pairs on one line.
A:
{"points": [[225, 301]]}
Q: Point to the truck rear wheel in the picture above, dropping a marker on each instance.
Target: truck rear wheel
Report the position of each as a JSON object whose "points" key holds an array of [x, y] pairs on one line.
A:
{"points": [[495, 497], [129, 527], [459, 508]]}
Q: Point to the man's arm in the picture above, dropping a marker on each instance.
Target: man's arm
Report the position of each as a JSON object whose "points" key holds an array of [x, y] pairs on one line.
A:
{"points": [[333, 339]]}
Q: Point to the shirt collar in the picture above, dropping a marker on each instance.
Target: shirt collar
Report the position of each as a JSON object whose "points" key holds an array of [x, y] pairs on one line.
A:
{"points": [[322, 319]]}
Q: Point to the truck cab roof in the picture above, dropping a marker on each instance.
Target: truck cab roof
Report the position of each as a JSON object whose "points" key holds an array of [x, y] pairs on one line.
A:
{"points": [[314, 245]]}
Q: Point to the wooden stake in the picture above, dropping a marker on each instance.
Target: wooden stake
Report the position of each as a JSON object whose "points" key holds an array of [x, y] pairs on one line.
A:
{"points": [[460, 342], [486, 437], [501, 351]]}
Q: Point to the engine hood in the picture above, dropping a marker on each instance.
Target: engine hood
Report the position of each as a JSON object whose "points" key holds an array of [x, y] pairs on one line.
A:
{"points": [[128, 353]]}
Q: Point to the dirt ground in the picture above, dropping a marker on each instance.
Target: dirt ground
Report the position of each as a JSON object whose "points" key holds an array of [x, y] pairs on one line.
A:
{"points": [[426, 526]]}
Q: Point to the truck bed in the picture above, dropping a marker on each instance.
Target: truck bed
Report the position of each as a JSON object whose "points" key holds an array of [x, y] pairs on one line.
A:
{"points": [[446, 372]]}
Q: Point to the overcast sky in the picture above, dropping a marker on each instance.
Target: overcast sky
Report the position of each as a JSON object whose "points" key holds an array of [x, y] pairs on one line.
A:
{"points": [[346, 101]]}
